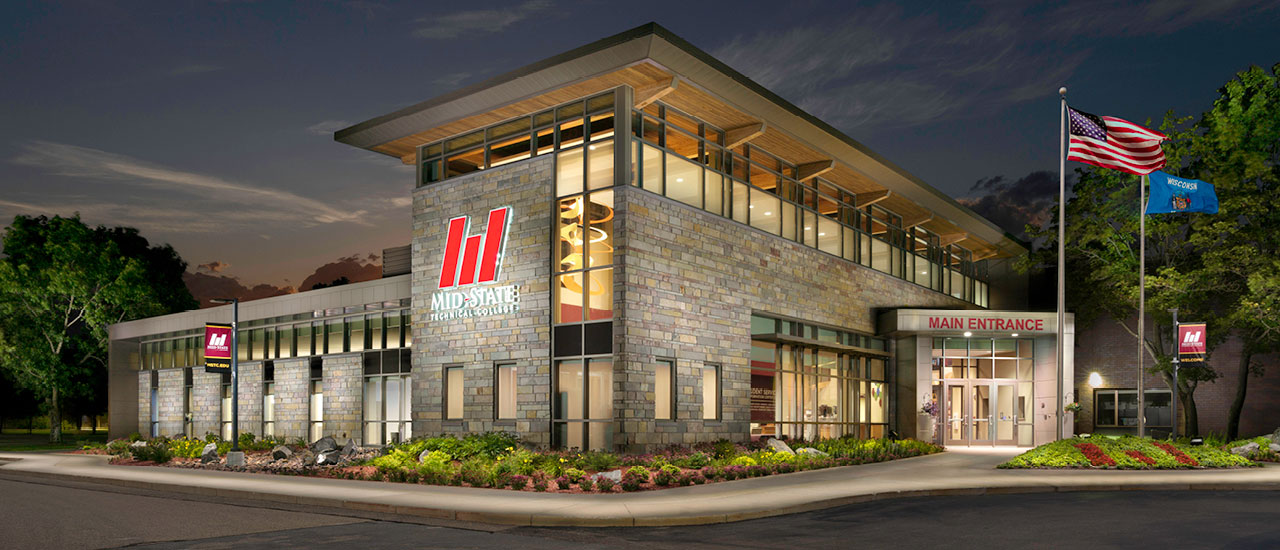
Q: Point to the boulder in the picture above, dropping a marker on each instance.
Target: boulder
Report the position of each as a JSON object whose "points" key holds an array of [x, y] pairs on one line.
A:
{"points": [[138, 444], [1246, 450], [1275, 447], [810, 451], [423, 455], [615, 475], [329, 458], [1275, 436], [308, 458], [281, 453], [326, 443], [780, 446], [209, 454], [349, 448]]}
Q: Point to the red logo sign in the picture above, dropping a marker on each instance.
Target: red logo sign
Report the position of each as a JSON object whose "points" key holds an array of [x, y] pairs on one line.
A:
{"points": [[217, 347], [1191, 341], [475, 258]]}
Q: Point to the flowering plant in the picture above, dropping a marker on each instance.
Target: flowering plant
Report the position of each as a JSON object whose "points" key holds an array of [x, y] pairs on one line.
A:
{"points": [[1072, 408], [930, 408]]}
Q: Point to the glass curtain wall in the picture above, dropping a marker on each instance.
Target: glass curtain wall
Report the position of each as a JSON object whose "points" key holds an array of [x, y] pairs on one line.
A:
{"points": [[817, 391], [683, 158], [315, 401], [387, 397], [582, 311], [983, 360]]}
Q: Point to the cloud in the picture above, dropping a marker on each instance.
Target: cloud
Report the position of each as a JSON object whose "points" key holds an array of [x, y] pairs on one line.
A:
{"points": [[205, 287], [354, 268], [255, 201], [1014, 204], [1111, 18], [183, 70], [213, 267], [451, 80], [327, 127], [475, 22]]}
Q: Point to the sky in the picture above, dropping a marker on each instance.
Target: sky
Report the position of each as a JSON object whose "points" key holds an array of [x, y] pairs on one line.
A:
{"points": [[209, 125]]}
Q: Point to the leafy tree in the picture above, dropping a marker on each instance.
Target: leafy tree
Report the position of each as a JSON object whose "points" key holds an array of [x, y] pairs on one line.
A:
{"points": [[62, 284], [343, 280]]}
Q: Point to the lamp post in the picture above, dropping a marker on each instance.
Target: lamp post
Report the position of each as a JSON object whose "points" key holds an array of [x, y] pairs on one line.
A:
{"points": [[234, 457]]}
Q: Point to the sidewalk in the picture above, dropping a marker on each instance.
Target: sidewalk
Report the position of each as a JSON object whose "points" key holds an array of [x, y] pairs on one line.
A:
{"points": [[960, 472]]}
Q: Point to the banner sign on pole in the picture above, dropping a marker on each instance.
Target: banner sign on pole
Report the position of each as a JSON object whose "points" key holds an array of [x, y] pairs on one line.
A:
{"points": [[217, 347], [1191, 339], [1171, 195]]}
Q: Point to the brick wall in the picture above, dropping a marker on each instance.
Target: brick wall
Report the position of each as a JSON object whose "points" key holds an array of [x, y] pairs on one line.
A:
{"points": [[170, 402], [343, 396], [250, 382], [1111, 351], [689, 281], [293, 378], [144, 402], [477, 344], [207, 402]]}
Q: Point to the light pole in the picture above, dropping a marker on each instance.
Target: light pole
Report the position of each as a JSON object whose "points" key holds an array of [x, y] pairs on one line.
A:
{"points": [[235, 381]]}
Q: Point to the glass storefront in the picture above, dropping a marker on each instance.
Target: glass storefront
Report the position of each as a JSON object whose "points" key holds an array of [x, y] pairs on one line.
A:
{"points": [[984, 390]]}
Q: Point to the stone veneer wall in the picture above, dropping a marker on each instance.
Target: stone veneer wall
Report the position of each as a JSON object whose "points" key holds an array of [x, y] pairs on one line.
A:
{"points": [[144, 402], [477, 344], [689, 281], [293, 407], [206, 409], [169, 402], [343, 396], [250, 382]]}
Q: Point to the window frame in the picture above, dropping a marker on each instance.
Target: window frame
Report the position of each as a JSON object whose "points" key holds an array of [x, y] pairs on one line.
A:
{"points": [[719, 391], [447, 402], [672, 389], [497, 390]]}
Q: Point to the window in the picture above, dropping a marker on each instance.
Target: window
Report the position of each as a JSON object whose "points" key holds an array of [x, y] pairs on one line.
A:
{"points": [[387, 397], [316, 401], [226, 406], [711, 392], [583, 405], [1119, 408], [664, 389], [155, 404], [188, 426], [504, 383], [453, 385], [268, 400]]}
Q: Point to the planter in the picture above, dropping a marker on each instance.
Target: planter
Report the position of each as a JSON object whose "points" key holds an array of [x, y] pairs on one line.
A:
{"points": [[924, 427]]}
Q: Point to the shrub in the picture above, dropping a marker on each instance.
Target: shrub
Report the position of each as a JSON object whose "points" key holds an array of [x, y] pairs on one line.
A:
{"points": [[586, 484], [696, 460], [605, 484], [186, 448], [698, 479], [634, 477], [712, 472], [476, 472], [539, 482], [574, 475], [667, 475], [685, 479], [155, 451], [724, 449], [742, 461], [562, 482], [597, 461], [518, 482]]}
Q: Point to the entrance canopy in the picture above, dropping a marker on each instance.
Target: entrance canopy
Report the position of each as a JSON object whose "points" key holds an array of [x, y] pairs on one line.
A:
{"points": [[904, 322]]}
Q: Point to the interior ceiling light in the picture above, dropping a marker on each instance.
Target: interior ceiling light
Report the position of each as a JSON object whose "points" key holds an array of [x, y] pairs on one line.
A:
{"points": [[967, 334]]}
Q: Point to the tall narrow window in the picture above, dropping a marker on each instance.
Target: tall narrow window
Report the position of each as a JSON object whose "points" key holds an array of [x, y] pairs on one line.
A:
{"points": [[226, 406], [711, 392], [188, 427], [664, 389], [155, 404], [268, 400], [316, 402], [453, 392], [504, 382]]}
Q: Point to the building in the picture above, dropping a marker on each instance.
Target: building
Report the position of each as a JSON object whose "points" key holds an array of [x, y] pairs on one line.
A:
{"points": [[627, 246]]}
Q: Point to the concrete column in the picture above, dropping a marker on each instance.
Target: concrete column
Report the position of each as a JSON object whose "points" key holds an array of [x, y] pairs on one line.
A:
{"points": [[343, 396], [144, 403], [170, 402], [292, 397], [251, 398], [206, 396]]}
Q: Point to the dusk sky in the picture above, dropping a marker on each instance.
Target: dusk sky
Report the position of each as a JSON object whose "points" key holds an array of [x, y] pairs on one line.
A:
{"points": [[210, 125]]}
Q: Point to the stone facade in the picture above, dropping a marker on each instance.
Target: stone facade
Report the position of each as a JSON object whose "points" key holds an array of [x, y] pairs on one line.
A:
{"points": [[687, 284], [169, 402], [144, 402], [250, 383], [293, 407], [343, 396], [207, 402], [478, 343]]}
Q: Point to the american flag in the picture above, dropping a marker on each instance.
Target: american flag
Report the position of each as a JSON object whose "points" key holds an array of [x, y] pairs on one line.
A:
{"points": [[1114, 143]]}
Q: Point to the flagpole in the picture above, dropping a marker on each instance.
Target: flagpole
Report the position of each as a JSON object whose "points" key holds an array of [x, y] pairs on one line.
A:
{"points": [[1062, 264], [1142, 297]]}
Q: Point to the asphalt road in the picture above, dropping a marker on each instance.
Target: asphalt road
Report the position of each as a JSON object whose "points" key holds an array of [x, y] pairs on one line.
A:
{"points": [[39, 513]]}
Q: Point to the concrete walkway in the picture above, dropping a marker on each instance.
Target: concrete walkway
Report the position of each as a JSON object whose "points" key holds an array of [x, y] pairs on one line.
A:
{"points": [[958, 472]]}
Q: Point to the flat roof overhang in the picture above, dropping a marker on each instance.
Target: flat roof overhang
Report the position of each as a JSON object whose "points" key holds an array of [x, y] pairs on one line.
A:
{"points": [[653, 60]]}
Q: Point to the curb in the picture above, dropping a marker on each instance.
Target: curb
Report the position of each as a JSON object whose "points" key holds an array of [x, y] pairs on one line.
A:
{"points": [[553, 520]]}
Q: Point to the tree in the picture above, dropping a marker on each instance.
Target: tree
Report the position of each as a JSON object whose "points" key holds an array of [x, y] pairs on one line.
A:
{"points": [[62, 284], [1238, 150], [343, 280]]}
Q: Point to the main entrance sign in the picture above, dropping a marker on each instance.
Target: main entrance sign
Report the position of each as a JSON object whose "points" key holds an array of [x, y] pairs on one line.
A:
{"points": [[987, 323], [470, 260]]}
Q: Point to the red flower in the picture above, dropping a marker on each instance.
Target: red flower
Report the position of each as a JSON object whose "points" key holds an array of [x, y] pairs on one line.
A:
{"points": [[1137, 455], [1177, 454], [1095, 455]]}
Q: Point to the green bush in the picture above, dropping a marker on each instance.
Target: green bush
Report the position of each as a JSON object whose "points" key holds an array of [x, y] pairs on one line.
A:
{"points": [[743, 460], [1064, 454], [696, 460], [634, 477], [666, 475], [724, 450], [155, 451], [574, 475], [183, 447], [597, 461]]}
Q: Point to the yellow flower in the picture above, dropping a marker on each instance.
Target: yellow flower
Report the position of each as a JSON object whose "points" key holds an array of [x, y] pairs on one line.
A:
{"points": [[562, 459]]}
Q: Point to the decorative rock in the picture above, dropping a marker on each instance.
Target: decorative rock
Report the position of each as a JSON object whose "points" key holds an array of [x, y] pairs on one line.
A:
{"points": [[423, 455], [780, 446], [329, 458], [1275, 448], [1275, 436], [281, 453], [209, 454], [1246, 450], [615, 475], [138, 444], [810, 451], [235, 459], [308, 458], [326, 443], [349, 448]]}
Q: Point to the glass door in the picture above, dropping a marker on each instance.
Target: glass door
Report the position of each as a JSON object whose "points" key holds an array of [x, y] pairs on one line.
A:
{"points": [[1005, 415], [957, 414], [980, 413]]}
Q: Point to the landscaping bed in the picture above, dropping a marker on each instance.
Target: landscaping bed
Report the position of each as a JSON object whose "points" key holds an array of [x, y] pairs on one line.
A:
{"points": [[1126, 453], [500, 461]]}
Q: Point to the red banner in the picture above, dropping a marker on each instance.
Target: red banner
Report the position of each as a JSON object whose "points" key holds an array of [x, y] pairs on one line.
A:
{"points": [[1191, 342], [217, 347]]}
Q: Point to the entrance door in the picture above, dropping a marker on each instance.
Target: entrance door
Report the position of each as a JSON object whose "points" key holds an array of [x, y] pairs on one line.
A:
{"points": [[980, 412]]}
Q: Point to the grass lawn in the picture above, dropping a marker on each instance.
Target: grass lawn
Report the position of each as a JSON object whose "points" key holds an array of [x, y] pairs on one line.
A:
{"points": [[1125, 453], [12, 441]]}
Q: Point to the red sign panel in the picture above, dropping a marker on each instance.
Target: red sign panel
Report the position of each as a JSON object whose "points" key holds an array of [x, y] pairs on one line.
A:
{"points": [[481, 256], [1191, 342], [217, 347]]}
